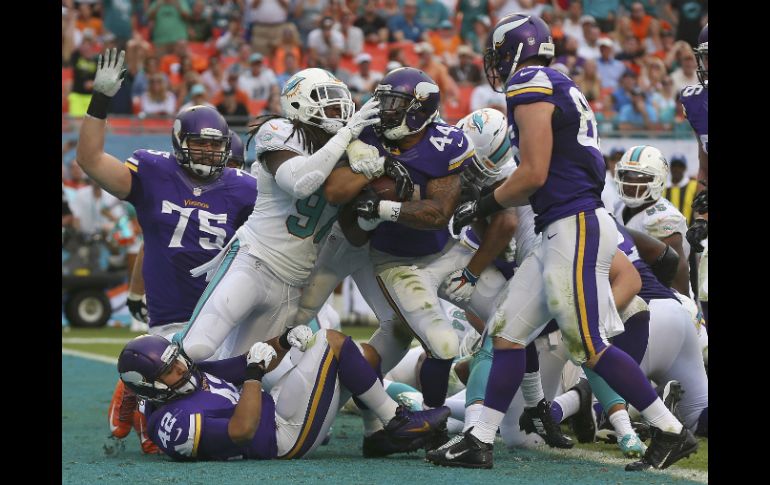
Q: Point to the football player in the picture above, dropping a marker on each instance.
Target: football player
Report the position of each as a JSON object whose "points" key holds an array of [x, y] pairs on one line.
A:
{"points": [[561, 173], [218, 410], [188, 204]]}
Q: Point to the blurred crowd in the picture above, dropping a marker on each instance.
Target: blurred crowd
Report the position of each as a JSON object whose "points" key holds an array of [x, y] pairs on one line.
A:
{"points": [[630, 58]]}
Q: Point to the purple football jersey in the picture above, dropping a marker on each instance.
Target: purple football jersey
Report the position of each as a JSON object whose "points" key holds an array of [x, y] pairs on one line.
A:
{"points": [[652, 288], [695, 101], [576, 173], [443, 150], [185, 225], [195, 426]]}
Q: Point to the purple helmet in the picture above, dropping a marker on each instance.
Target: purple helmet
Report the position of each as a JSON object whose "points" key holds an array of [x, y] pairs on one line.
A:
{"points": [[201, 123], [409, 100], [514, 39], [237, 153], [147, 357], [702, 54]]}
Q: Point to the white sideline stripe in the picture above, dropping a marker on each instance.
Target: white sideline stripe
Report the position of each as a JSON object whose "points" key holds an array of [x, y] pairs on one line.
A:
{"points": [[96, 340], [600, 457], [90, 356]]}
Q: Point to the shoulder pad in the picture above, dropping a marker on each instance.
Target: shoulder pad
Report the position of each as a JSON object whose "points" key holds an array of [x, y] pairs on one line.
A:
{"points": [[146, 158], [664, 224]]}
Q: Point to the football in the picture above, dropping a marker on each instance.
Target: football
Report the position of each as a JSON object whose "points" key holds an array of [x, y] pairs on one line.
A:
{"points": [[385, 188]]}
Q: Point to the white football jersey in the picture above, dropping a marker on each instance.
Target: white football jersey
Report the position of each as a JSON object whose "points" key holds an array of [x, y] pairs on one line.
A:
{"points": [[283, 231], [660, 220]]}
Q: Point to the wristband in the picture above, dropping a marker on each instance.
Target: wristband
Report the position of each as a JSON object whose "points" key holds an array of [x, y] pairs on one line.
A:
{"points": [[389, 210], [254, 372], [97, 108]]}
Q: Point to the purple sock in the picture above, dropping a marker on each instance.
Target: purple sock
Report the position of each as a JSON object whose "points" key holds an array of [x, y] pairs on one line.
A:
{"points": [[505, 377], [355, 373], [556, 412], [533, 363], [434, 379], [624, 375], [598, 410]]}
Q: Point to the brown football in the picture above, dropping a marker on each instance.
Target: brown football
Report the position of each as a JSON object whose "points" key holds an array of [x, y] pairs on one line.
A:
{"points": [[385, 188]]}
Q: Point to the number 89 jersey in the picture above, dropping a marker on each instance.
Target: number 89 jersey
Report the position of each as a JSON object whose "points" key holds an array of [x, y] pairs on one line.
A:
{"points": [[284, 231], [576, 173]]}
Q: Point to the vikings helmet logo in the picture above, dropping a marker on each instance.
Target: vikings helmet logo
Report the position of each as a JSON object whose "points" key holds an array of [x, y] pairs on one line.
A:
{"points": [[499, 35], [423, 90]]}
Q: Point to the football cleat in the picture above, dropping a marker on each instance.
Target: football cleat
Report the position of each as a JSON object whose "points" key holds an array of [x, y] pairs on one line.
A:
{"points": [[412, 424], [121, 411], [632, 446], [666, 449], [583, 423], [140, 425], [538, 420], [464, 450]]}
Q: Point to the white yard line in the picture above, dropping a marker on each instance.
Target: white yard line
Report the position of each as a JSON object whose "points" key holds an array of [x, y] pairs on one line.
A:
{"points": [[94, 340], [90, 356], [597, 456]]}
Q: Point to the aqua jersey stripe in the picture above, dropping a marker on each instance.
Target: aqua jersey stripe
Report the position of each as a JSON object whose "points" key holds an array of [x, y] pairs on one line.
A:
{"points": [[229, 257]]}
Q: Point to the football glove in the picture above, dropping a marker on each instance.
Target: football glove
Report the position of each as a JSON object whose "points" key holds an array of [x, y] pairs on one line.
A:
{"points": [[459, 285], [399, 173], [367, 115], [701, 202], [109, 72], [697, 233], [365, 159], [137, 306]]}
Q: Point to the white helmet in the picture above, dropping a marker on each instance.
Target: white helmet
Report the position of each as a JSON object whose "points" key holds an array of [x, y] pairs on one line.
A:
{"points": [[307, 94], [487, 128], [644, 170]]}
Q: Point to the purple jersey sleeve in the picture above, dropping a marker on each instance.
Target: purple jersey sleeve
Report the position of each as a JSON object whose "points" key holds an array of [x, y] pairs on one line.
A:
{"points": [[232, 369], [695, 101], [652, 288]]}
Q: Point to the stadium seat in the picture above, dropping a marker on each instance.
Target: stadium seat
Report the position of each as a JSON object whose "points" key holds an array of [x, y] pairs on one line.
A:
{"points": [[256, 106]]}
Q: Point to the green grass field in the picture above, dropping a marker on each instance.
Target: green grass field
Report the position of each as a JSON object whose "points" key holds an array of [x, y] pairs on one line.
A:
{"points": [[87, 388]]}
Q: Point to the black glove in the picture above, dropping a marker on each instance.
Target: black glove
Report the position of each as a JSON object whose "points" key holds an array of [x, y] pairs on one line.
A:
{"points": [[701, 202], [399, 173], [137, 307], [697, 233], [474, 210], [469, 192], [368, 205]]}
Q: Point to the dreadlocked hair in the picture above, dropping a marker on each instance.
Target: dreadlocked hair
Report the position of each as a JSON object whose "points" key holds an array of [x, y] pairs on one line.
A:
{"points": [[311, 137]]}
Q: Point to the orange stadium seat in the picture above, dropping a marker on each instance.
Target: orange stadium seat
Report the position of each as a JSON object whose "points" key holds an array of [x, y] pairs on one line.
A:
{"points": [[256, 106]]}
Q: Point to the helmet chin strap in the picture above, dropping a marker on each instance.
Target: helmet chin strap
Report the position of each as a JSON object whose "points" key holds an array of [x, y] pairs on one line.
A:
{"points": [[513, 67]]}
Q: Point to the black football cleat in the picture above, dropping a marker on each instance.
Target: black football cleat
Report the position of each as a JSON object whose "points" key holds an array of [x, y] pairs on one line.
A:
{"points": [[666, 449], [583, 423], [464, 450], [538, 420]]}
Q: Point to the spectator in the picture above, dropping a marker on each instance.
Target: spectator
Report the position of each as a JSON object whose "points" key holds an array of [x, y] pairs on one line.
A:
{"points": [[117, 19], [289, 45], [483, 96], [373, 26], [229, 43], [430, 13], [467, 72], [478, 40], [95, 211], [689, 15], [235, 112], [332, 64], [77, 178], [664, 101], [169, 17], [610, 69], [631, 54], [527, 7], [572, 25], [273, 105], [266, 19], [214, 77], [242, 64], [290, 68], [405, 26], [137, 51], [198, 96], [445, 42], [685, 75], [199, 23], [231, 83], [645, 28], [470, 9], [142, 78], [603, 11], [391, 66], [70, 35], [86, 19], [589, 83], [306, 15], [84, 68], [352, 35], [667, 46], [324, 39], [257, 80], [622, 94], [589, 49], [222, 11], [158, 100], [570, 57], [390, 8], [365, 80], [681, 190], [639, 114], [437, 71], [653, 72]]}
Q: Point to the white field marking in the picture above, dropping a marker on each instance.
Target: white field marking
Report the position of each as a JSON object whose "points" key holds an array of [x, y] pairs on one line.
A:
{"points": [[687, 473], [90, 356], [94, 340]]}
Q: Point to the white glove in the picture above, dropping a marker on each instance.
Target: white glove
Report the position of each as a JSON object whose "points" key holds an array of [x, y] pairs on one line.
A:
{"points": [[367, 115], [365, 159], [509, 253], [459, 286], [299, 337], [260, 353], [109, 74]]}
